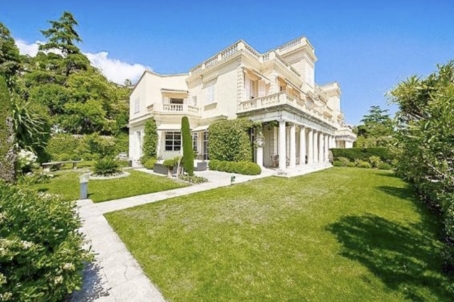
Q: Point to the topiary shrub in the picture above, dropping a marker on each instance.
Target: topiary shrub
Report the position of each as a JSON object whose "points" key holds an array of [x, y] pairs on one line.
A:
{"points": [[149, 164], [150, 140], [384, 166], [41, 255], [229, 140], [188, 152], [245, 168], [106, 166], [363, 154]]}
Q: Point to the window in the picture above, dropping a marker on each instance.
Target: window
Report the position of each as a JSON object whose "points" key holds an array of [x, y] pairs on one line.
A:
{"points": [[253, 89], [176, 101], [194, 141], [209, 92], [137, 105], [173, 141], [205, 146]]}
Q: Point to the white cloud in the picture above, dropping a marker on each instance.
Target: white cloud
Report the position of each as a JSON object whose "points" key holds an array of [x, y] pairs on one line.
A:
{"points": [[28, 49], [114, 69]]}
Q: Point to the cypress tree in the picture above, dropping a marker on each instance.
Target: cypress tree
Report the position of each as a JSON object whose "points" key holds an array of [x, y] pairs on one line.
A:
{"points": [[188, 152], [150, 141], [7, 155]]}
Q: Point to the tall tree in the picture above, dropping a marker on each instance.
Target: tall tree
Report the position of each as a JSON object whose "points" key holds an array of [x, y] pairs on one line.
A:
{"points": [[188, 152], [62, 37], [7, 138], [376, 130], [9, 55]]}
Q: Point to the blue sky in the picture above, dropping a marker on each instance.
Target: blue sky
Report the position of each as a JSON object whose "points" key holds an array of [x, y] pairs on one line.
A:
{"points": [[368, 47]]}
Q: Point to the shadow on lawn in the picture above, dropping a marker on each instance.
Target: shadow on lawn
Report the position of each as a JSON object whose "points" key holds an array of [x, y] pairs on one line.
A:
{"points": [[404, 258]]}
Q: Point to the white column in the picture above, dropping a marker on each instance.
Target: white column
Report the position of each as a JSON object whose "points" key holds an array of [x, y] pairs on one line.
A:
{"points": [[159, 144], [310, 147], [292, 162], [315, 146], [326, 148], [320, 148], [282, 142], [259, 158], [302, 145]]}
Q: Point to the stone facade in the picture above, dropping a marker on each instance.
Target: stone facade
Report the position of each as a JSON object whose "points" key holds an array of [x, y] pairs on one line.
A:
{"points": [[301, 120]]}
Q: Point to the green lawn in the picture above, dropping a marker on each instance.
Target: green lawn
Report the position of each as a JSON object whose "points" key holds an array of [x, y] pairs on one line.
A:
{"points": [[66, 184], [343, 234]]}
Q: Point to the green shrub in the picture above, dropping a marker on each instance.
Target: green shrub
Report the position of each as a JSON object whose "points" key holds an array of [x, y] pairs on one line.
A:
{"points": [[351, 164], [102, 146], [106, 166], [188, 152], [193, 179], [344, 161], [245, 168], [214, 165], [229, 140], [121, 143], [170, 163], [337, 163], [64, 157], [384, 166], [375, 161], [41, 248], [123, 163], [363, 164], [363, 154], [87, 156], [149, 164], [62, 144], [150, 140]]}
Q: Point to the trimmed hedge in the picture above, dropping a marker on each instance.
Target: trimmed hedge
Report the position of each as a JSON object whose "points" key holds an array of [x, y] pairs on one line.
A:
{"points": [[229, 140], [242, 167], [62, 144], [363, 154]]}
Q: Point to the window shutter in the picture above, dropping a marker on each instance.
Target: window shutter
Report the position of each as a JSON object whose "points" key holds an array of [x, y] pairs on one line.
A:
{"points": [[262, 88]]}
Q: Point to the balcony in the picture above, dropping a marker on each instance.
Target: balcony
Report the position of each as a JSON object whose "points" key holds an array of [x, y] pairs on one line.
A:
{"points": [[169, 109], [283, 98]]}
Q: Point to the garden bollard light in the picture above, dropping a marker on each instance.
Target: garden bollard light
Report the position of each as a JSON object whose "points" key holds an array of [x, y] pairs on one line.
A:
{"points": [[84, 185], [232, 179]]}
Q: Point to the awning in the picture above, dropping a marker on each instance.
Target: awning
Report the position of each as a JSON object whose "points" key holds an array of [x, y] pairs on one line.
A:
{"points": [[258, 74], [176, 91], [169, 127], [200, 128]]}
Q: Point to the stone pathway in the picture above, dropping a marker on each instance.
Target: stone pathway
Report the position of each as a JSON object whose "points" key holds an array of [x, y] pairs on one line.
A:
{"points": [[115, 276]]}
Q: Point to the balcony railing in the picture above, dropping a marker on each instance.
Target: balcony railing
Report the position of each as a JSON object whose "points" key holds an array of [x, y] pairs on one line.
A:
{"points": [[283, 98], [174, 109], [240, 46]]}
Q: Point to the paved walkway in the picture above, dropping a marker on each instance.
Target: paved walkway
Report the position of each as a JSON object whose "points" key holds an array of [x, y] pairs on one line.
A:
{"points": [[115, 276]]}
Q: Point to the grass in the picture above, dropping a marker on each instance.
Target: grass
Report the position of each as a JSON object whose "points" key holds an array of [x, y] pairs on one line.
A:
{"points": [[66, 184], [344, 234]]}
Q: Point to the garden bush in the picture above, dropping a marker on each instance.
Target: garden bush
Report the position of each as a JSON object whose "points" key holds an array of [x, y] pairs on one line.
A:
{"points": [[99, 146], [344, 161], [375, 161], [337, 163], [351, 164], [41, 255], [384, 166], [64, 157], [363, 164], [229, 140], [62, 144], [242, 167], [363, 154], [149, 164], [106, 166]]}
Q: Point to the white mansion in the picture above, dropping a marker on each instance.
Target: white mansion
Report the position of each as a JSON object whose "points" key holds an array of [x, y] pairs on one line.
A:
{"points": [[301, 120]]}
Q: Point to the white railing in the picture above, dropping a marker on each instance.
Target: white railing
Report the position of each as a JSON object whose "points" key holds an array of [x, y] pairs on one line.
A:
{"points": [[290, 44], [282, 98], [173, 108]]}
